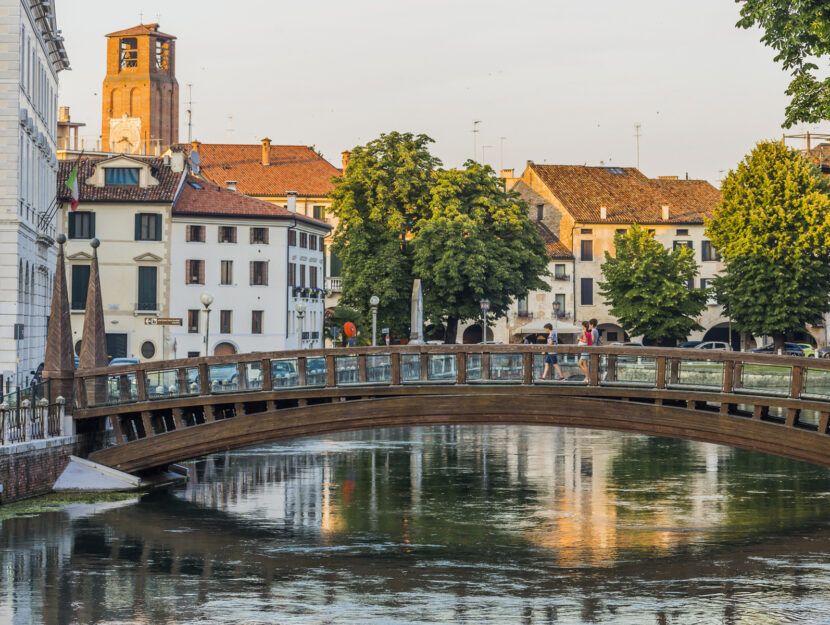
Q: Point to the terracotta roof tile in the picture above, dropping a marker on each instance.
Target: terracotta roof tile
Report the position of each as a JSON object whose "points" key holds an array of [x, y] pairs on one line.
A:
{"points": [[292, 168], [555, 248], [141, 29], [162, 192], [627, 194], [202, 197]]}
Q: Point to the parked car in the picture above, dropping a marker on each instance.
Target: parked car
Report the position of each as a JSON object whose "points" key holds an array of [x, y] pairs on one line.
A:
{"points": [[123, 361], [824, 352], [808, 349], [629, 344], [714, 345], [689, 344], [790, 349]]}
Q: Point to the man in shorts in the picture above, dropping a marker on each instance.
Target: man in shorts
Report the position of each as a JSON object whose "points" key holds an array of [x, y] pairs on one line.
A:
{"points": [[550, 359]]}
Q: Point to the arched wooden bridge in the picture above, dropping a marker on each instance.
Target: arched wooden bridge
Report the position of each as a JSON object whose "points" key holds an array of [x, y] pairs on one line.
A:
{"points": [[164, 412]]}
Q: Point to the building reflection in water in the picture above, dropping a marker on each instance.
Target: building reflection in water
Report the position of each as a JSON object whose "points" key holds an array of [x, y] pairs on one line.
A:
{"points": [[490, 524]]}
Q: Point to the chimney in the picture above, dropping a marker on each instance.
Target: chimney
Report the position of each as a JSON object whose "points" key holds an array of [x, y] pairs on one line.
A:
{"points": [[665, 212], [63, 114], [266, 152], [194, 146], [231, 184], [603, 212], [346, 156], [507, 174], [292, 201]]}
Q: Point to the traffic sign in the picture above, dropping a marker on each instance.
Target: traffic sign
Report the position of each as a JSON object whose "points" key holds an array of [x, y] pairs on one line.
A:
{"points": [[162, 321]]}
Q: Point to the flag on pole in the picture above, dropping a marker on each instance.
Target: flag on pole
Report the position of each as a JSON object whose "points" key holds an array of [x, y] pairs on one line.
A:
{"points": [[72, 184]]}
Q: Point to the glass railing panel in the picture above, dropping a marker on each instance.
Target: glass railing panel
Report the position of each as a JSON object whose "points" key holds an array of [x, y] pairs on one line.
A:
{"points": [[284, 372], [98, 391], [809, 417], [703, 374], [568, 365], [630, 370], [506, 367], [441, 368], [315, 372], [379, 369], [161, 384], [253, 375], [817, 383], [473, 367], [761, 378], [410, 367], [345, 369], [122, 389], [223, 378], [191, 375]]}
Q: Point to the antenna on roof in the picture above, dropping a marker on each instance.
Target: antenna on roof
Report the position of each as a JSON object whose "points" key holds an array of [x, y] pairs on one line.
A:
{"points": [[189, 112], [637, 128], [230, 127]]}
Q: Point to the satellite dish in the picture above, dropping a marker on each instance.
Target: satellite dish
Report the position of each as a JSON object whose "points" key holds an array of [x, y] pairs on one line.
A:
{"points": [[194, 162]]}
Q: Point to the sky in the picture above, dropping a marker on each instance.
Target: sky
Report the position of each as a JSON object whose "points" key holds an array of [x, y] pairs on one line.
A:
{"points": [[552, 81]]}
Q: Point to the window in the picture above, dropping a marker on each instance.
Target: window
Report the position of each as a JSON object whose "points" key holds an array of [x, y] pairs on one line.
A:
{"points": [[292, 274], [586, 231], [302, 276], [292, 237], [227, 234], [128, 52], [82, 225], [688, 244], [256, 322], [560, 299], [196, 234], [586, 250], [193, 354], [121, 175], [224, 322], [226, 272], [80, 284], [148, 227], [690, 284], [621, 230], [559, 271], [312, 242], [193, 320], [335, 265], [705, 283], [312, 277], [615, 171], [318, 212], [612, 337], [147, 289], [259, 235], [259, 273], [651, 230], [522, 306], [303, 240], [708, 251], [148, 350], [540, 212], [195, 272], [586, 291], [682, 232], [162, 54]]}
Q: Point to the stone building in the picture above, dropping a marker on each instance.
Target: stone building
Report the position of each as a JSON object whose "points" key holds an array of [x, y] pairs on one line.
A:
{"points": [[33, 55]]}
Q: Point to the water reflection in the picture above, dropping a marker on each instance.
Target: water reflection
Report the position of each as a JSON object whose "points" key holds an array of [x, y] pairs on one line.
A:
{"points": [[495, 524]]}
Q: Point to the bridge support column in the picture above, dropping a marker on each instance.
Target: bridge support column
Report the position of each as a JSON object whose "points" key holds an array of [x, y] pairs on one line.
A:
{"points": [[210, 413], [177, 418], [148, 426], [823, 422], [527, 368], [461, 368], [661, 372], [395, 368], [115, 421]]}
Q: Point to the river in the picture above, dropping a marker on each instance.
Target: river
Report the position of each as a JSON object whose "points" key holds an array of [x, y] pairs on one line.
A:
{"points": [[443, 524]]}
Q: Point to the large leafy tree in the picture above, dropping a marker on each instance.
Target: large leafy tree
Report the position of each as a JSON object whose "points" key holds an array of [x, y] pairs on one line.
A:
{"points": [[772, 230], [383, 192], [477, 243], [799, 30], [646, 287]]}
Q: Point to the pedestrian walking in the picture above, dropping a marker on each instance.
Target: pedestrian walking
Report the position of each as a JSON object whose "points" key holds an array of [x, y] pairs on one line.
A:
{"points": [[586, 338], [551, 359]]}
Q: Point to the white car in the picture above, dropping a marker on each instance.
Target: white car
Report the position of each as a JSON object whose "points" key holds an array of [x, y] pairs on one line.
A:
{"points": [[714, 345]]}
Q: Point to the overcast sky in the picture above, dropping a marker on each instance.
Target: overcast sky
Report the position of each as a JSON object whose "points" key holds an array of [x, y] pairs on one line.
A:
{"points": [[563, 81]]}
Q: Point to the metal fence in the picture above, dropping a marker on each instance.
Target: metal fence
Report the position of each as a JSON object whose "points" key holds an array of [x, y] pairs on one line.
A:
{"points": [[27, 421]]}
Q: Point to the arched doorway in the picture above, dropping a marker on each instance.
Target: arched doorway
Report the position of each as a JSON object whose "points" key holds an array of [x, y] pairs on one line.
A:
{"points": [[224, 349], [721, 332], [472, 335]]}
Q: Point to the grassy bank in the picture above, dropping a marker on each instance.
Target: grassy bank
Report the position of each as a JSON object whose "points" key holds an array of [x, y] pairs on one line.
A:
{"points": [[55, 501]]}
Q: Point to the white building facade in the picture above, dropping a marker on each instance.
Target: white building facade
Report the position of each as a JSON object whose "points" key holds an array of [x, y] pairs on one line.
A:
{"points": [[33, 54], [257, 261]]}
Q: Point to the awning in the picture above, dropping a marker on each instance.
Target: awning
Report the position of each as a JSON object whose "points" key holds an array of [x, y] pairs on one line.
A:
{"points": [[537, 326]]}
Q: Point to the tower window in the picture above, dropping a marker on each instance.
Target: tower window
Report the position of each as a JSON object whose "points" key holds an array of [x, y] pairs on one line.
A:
{"points": [[162, 54], [128, 52]]}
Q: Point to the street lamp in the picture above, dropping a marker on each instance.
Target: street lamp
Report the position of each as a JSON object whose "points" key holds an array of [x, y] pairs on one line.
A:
{"points": [[300, 308], [373, 302], [206, 299], [485, 306], [556, 320]]}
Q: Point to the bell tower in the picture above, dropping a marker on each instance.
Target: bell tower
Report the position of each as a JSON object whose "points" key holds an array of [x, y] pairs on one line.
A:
{"points": [[141, 95]]}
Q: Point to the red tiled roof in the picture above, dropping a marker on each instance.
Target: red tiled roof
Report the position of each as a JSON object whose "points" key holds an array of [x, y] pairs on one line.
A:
{"points": [[627, 194], [555, 248], [141, 29], [202, 197], [292, 168], [163, 192]]}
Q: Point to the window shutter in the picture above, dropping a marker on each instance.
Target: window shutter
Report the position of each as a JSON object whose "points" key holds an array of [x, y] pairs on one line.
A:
{"points": [[251, 230], [251, 271], [201, 272], [138, 226], [188, 231], [265, 232], [92, 225], [265, 274], [158, 227], [71, 227], [187, 271]]}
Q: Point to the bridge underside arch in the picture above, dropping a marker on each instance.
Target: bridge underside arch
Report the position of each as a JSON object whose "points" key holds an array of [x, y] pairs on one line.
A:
{"points": [[487, 407]]}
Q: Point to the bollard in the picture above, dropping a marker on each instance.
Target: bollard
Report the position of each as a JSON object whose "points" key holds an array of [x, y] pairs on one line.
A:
{"points": [[65, 427], [25, 420], [4, 420], [42, 412]]}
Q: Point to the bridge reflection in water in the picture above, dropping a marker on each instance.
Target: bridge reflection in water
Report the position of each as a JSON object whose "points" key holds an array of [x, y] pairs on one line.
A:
{"points": [[163, 412]]}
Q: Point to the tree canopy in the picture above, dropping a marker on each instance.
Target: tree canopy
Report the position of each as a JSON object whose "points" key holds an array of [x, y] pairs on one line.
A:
{"points": [[477, 243], [799, 30], [772, 229], [646, 287]]}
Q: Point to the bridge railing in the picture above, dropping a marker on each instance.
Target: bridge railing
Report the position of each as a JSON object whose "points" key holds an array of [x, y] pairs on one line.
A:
{"points": [[657, 368]]}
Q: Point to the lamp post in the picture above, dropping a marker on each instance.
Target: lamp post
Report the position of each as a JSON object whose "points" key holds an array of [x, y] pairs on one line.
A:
{"points": [[556, 320], [373, 302], [485, 306], [300, 308], [206, 299]]}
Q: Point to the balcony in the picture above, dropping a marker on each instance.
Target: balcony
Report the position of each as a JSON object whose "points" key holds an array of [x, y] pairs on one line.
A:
{"points": [[562, 276], [333, 284], [146, 307]]}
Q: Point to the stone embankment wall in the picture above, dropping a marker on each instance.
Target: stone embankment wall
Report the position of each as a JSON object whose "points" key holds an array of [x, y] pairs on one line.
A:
{"points": [[30, 469]]}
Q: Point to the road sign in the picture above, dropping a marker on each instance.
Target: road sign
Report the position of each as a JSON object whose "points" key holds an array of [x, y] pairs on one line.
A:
{"points": [[384, 330], [162, 321]]}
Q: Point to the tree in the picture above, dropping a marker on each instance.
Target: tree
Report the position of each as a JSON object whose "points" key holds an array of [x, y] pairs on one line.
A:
{"points": [[383, 192], [476, 244], [772, 229], [338, 316], [799, 30], [646, 287]]}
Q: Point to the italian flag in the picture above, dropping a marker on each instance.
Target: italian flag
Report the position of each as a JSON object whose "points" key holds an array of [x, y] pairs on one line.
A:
{"points": [[72, 184]]}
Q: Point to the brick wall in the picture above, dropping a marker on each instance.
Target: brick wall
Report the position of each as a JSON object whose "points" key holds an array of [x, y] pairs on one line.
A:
{"points": [[31, 469]]}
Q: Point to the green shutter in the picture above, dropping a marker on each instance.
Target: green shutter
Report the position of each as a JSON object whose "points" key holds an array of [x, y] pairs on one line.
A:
{"points": [[138, 227], [336, 265], [147, 288], [158, 227], [92, 225], [71, 233], [80, 284]]}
